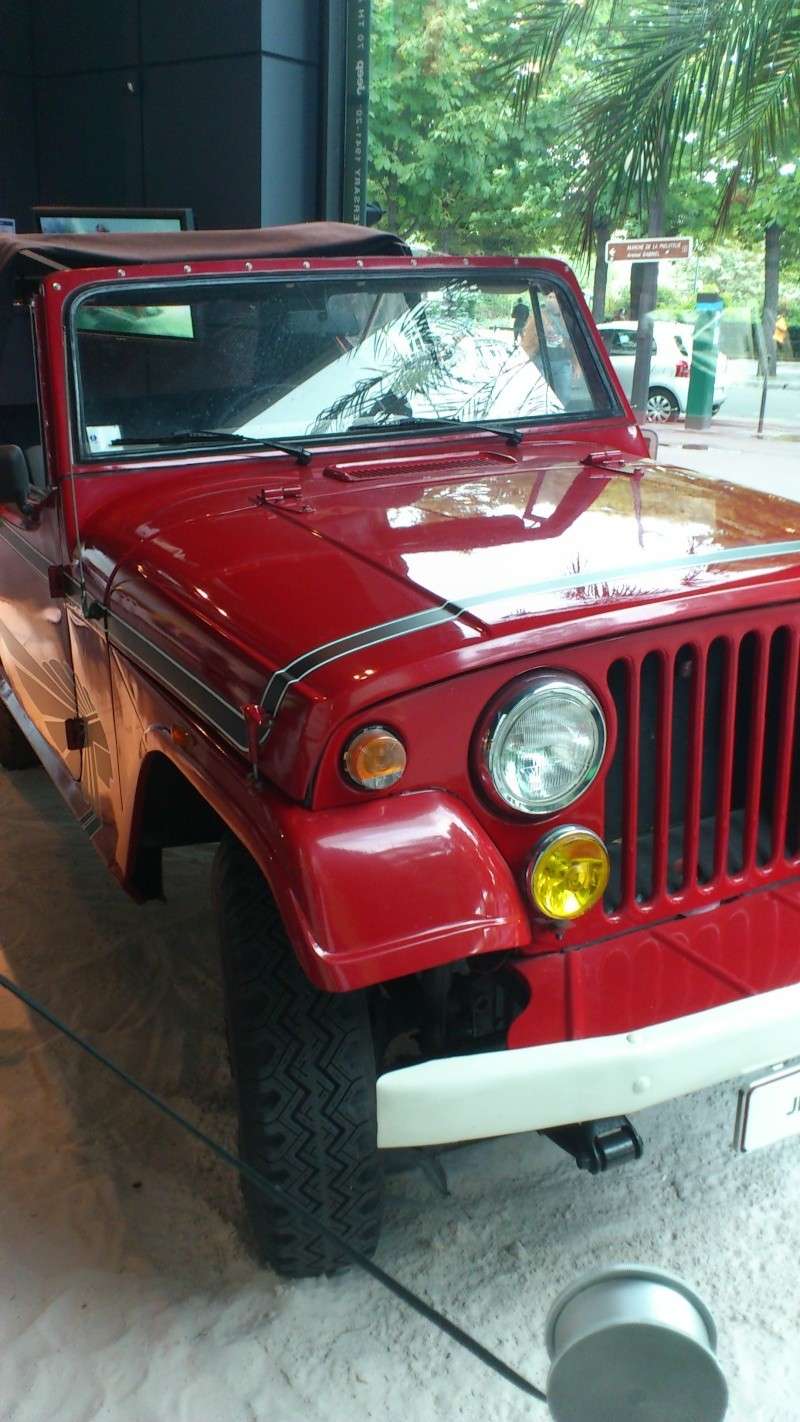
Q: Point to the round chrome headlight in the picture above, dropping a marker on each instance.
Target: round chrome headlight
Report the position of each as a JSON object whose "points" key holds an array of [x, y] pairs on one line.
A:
{"points": [[542, 749]]}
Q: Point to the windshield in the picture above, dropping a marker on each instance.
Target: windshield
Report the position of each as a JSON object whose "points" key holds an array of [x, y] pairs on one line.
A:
{"points": [[317, 358]]}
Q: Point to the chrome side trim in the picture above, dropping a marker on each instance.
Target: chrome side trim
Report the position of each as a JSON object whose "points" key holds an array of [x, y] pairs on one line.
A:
{"points": [[221, 714], [25, 549]]}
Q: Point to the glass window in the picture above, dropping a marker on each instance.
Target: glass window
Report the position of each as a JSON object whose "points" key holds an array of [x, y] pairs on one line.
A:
{"points": [[316, 359], [624, 343], [19, 410]]}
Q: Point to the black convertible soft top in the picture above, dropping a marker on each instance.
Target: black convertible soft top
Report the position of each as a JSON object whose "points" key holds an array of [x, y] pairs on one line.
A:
{"points": [[35, 255], [29, 253]]}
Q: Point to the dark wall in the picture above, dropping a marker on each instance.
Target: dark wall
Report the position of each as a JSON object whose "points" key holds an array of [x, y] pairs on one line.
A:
{"points": [[17, 150], [216, 106]]}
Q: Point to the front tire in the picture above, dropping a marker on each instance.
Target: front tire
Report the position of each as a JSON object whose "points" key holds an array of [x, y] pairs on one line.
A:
{"points": [[662, 406], [304, 1070], [15, 752]]}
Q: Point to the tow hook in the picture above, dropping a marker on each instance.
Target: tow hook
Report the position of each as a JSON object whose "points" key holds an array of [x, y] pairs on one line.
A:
{"points": [[597, 1145]]}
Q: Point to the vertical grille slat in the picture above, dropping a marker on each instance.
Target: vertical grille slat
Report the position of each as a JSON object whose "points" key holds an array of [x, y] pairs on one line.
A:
{"points": [[736, 810], [725, 774], [752, 803], [694, 768], [630, 830], [703, 796], [679, 761], [618, 674], [789, 845], [781, 712], [712, 712], [661, 846]]}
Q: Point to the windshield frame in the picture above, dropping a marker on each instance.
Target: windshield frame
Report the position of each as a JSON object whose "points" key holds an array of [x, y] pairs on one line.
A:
{"points": [[523, 270]]}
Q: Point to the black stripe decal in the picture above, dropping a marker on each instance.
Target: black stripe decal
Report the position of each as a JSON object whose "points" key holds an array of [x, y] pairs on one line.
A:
{"points": [[37, 560], [25, 549], [745, 553], [227, 719], [302, 666]]}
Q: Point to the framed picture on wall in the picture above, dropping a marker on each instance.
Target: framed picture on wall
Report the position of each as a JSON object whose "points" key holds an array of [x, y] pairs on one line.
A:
{"points": [[113, 219]]}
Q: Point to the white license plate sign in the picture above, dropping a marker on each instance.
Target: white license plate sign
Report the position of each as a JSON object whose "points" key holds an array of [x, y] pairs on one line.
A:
{"points": [[769, 1110]]}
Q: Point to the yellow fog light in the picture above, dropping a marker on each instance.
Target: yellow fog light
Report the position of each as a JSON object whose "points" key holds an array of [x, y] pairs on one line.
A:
{"points": [[374, 758], [568, 873]]}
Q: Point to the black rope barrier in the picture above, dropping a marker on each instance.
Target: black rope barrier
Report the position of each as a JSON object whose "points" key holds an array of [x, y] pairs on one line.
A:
{"points": [[280, 1196]]}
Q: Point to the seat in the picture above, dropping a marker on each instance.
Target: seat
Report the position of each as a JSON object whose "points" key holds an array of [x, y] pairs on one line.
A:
{"points": [[34, 457]]}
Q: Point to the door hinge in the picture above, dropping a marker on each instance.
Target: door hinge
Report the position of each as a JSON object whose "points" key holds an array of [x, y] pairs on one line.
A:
{"points": [[63, 583], [291, 495], [57, 576], [613, 461], [75, 733]]}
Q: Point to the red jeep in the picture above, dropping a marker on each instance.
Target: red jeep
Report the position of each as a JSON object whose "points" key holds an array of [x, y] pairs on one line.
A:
{"points": [[311, 548]]}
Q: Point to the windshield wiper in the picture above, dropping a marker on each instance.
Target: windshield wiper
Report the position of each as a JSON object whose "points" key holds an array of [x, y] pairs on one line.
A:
{"points": [[218, 437], [413, 422]]}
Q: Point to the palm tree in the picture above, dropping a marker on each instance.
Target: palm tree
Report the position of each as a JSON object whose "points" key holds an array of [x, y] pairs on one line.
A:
{"points": [[673, 84]]}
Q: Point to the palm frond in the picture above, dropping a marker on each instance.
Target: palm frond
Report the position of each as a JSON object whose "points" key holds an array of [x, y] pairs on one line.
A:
{"points": [[680, 81], [530, 45]]}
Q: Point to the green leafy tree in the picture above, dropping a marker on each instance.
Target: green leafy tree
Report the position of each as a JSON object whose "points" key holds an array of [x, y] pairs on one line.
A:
{"points": [[447, 159], [677, 83]]}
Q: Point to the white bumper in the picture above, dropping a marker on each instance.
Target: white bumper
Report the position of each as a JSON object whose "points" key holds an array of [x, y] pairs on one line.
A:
{"points": [[529, 1088]]}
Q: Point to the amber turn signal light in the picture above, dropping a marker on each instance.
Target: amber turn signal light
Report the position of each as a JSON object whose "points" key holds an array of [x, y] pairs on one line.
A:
{"points": [[568, 873], [374, 758]]}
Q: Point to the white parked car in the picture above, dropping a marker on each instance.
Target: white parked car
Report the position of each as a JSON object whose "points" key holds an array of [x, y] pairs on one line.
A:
{"points": [[669, 369]]}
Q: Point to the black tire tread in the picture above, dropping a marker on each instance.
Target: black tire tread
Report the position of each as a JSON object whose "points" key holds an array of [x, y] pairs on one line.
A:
{"points": [[304, 1069]]}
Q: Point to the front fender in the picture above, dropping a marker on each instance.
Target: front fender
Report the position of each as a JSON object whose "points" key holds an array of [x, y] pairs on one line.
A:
{"points": [[389, 888], [366, 892]]}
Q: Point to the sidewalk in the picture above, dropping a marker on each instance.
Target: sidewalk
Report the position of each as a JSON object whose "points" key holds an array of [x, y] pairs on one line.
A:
{"points": [[746, 372], [733, 451]]}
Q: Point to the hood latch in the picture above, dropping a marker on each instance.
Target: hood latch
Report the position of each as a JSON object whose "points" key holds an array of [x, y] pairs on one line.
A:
{"points": [[613, 462]]}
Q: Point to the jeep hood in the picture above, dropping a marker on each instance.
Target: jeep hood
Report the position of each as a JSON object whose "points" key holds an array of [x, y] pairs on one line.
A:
{"points": [[549, 541], [361, 586]]}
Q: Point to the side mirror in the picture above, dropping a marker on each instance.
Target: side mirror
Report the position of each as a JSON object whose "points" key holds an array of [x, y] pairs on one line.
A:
{"points": [[14, 480]]}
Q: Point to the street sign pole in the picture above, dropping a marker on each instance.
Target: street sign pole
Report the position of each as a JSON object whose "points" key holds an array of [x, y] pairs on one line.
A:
{"points": [[649, 249], [764, 365]]}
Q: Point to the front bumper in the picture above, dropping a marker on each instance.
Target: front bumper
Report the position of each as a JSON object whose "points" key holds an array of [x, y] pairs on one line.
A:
{"points": [[531, 1088]]}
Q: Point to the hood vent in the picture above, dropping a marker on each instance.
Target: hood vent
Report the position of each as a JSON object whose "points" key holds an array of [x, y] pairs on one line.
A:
{"points": [[382, 468]]}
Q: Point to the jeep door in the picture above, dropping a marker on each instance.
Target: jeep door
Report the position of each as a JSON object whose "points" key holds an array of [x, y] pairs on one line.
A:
{"points": [[34, 634]]}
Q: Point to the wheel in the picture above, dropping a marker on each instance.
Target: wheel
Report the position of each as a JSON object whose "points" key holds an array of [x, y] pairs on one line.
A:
{"points": [[661, 406], [15, 753], [303, 1065]]}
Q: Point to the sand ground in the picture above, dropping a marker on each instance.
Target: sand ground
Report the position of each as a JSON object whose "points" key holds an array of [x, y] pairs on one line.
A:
{"points": [[128, 1291]]}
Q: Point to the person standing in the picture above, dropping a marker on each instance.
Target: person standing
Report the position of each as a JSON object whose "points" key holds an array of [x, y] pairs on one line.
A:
{"points": [[520, 312], [783, 343]]}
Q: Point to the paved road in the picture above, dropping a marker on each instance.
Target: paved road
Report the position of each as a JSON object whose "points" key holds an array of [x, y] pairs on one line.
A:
{"points": [[771, 463], [744, 394], [731, 447]]}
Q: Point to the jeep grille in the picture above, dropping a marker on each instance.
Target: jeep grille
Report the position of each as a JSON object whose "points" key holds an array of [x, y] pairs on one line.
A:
{"points": [[703, 795]]}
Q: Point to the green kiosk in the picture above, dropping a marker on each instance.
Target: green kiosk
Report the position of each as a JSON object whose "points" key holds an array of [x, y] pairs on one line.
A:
{"points": [[705, 348]]}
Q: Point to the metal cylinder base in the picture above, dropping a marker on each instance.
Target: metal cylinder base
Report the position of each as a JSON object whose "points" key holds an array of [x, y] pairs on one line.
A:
{"points": [[632, 1344]]}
